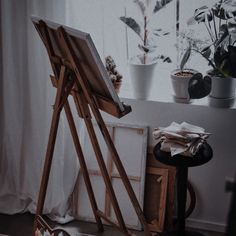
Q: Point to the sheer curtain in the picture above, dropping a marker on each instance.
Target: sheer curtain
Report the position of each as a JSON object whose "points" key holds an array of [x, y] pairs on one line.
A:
{"points": [[26, 107]]}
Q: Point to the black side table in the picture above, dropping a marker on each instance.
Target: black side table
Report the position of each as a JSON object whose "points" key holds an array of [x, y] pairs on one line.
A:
{"points": [[182, 163]]}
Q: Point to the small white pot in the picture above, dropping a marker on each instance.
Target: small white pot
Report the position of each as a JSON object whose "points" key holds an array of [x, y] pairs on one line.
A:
{"points": [[141, 78], [222, 87], [222, 92], [180, 85]]}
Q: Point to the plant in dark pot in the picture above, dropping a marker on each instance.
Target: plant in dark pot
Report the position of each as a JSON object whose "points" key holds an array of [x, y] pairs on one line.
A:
{"points": [[142, 65], [188, 83], [220, 52]]}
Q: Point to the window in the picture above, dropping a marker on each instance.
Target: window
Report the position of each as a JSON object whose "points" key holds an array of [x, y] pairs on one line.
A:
{"points": [[112, 37]]}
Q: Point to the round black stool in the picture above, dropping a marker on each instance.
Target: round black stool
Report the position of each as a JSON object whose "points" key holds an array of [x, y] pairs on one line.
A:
{"points": [[182, 163]]}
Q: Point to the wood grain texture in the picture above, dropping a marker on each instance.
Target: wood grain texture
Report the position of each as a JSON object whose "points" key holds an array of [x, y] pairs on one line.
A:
{"points": [[155, 197], [152, 162]]}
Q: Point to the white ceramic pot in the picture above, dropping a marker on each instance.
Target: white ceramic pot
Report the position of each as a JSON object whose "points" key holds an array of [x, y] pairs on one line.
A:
{"points": [[222, 87], [180, 85], [141, 79], [222, 92]]}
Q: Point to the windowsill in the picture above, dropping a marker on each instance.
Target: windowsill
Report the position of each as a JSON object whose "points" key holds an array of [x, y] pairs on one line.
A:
{"points": [[161, 91]]}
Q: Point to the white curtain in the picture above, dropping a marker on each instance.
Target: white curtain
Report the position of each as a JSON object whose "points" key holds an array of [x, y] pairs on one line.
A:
{"points": [[26, 108]]}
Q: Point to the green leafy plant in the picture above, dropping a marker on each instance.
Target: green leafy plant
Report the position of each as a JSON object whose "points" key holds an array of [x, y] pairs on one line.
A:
{"points": [[185, 57], [199, 86], [220, 24], [186, 44], [143, 30]]}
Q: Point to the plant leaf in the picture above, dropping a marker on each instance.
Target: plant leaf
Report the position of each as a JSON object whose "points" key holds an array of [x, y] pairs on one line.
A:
{"points": [[202, 14], [147, 48], [223, 34], [232, 27], [221, 10], [141, 6], [167, 59], [163, 58], [143, 48], [160, 4], [185, 57], [232, 58], [199, 87], [129, 21], [206, 52], [159, 32]]}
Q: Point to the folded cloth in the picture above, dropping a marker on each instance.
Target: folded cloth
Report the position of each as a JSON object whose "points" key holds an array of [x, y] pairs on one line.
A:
{"points": [[184, 138]]}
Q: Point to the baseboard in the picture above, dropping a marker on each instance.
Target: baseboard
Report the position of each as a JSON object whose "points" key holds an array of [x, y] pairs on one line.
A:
{"points": [[205, 225]]}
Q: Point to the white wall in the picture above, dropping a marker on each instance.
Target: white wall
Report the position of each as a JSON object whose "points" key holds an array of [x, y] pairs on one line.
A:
{"points": [[209, 179]]}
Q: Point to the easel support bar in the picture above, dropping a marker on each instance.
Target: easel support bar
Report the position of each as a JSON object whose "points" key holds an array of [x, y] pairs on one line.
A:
{"points": [[93, 138], [83, 165], [51, 145]]}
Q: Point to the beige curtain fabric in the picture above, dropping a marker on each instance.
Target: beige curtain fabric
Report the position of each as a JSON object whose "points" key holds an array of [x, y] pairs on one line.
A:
{"points": [[26, 108]]}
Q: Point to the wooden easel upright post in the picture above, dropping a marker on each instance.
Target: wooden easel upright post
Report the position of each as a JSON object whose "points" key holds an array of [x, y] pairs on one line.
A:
{"points": [[72, 76]]}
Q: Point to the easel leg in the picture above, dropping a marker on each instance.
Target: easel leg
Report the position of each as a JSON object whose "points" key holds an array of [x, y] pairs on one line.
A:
{"points": [[83, 107], [47, 166], [120, 168], [83, 165], [105, 174], [50, 148]]}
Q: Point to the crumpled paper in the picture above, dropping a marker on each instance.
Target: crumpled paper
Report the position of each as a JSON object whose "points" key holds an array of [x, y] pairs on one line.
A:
{"points": [[184, 138]]}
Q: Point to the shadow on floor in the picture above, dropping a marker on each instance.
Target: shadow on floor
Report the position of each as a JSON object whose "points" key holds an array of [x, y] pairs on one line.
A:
{"points": [[21, 225]]}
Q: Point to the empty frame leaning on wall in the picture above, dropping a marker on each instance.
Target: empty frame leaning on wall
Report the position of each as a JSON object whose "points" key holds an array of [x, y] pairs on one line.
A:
{"points": [[78, 70], [131, 143]]}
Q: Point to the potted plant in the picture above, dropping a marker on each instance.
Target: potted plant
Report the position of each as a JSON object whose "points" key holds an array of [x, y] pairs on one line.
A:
{"points": [[189, 83], [220, 53], [142, 65], [115, 76], [181, 76]]}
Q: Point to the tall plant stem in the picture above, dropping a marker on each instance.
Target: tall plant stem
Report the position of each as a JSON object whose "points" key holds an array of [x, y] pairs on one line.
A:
{"points": [[229, 40], [214, 23], [219, 23], [145, 38], [177, 28], [209, 32], [126, 36]]}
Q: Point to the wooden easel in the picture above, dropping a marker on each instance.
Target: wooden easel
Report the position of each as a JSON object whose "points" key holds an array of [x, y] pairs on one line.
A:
{"points": [[71, 78]]}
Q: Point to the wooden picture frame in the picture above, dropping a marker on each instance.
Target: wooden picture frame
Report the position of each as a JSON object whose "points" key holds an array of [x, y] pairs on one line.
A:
{"points": [[155, 198], [131, 143], [170, 202]]}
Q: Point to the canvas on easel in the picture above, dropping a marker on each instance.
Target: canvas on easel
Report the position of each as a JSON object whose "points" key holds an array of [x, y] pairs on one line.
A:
{"points": [[79, 71]]}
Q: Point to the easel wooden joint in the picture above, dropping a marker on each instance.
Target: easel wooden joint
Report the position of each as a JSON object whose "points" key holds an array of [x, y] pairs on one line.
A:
{"points": [[78, 72]]}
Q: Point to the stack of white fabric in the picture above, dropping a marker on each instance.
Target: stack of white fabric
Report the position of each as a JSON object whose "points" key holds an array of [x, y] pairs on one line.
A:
{"points": [[184, 138]]}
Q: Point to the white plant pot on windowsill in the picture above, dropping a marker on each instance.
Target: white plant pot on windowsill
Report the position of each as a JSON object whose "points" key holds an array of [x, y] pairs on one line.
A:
{"points": [[141, 78], [180, 84], [222, 92]]}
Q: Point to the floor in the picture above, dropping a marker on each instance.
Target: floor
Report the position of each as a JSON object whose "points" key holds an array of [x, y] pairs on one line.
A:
{"points": [[21, 225]]}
